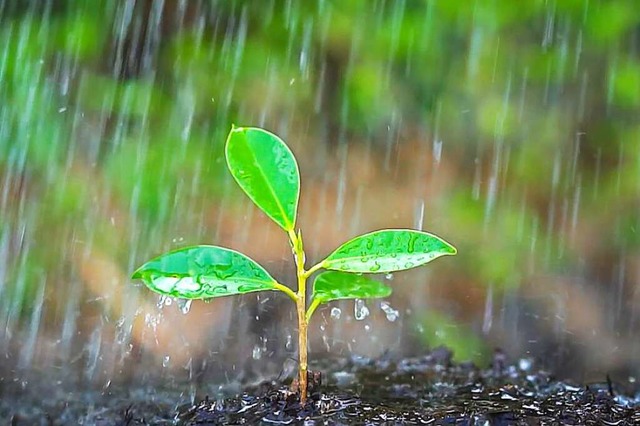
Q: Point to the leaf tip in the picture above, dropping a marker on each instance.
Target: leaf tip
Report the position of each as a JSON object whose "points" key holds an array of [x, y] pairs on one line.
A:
{"points": [[137, 274]]}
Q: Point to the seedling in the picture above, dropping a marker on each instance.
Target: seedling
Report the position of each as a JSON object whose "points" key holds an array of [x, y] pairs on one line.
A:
{"points": [[266, 170]]}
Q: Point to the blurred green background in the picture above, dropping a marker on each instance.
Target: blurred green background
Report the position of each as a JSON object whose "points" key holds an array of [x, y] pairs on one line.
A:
{"points": [[509, 128]]}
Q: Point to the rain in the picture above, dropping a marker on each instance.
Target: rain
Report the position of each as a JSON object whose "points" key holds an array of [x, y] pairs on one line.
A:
{"points": [[510, 130]]}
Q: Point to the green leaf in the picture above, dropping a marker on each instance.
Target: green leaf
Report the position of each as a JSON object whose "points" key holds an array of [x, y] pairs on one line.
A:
{"points": [[203, 272], [332, 285], [266, 170], [387, 250]]}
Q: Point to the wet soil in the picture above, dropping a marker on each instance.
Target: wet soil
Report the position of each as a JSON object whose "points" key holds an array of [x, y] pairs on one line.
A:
{"points": [[424, 390]]}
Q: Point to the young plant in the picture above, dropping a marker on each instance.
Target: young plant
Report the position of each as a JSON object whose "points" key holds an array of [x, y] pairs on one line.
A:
{"points": [[266, 170]]}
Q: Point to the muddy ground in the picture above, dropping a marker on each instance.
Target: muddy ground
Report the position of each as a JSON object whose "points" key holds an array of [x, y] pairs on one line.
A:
{"points": [[424, 390]]}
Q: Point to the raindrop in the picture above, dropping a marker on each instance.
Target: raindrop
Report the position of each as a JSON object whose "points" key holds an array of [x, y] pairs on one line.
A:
{"points": [[418, 221], [161, 301], [184, 305], [392, 314], [122, 333], [335, 313], [151, 321], [389, 277], [166, 360], [437, 151], [525, 364], [360, 310], [289, 344], [257, 352]]}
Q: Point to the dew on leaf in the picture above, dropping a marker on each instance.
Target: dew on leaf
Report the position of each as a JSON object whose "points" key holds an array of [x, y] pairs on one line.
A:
{"points": [[162, 283], [187, 285]]}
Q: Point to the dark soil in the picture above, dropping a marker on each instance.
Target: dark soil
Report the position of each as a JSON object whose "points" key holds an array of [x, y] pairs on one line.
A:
{"points": [[426, 390]]}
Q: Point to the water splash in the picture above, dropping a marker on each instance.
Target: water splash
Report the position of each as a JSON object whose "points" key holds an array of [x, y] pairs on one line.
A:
{"points": [[256, 353], [116, 156], [360, 310], [336, 313], [392, 314]]}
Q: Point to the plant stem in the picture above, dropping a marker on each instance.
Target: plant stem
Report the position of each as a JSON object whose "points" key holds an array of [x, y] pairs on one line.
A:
{"points": [[301, 307], [302, 349], [312, 308], [311, 270], [287, 291]]}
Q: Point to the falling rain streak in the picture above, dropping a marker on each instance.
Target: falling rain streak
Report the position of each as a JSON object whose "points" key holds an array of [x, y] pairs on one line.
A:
{"points": [[510, 128]]}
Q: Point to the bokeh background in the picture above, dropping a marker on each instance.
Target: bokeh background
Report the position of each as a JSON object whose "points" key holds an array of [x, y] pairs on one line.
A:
{"points": [[511, 129]]}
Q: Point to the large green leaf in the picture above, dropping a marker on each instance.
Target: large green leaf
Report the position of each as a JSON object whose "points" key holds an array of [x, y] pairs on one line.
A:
{"points": [[266, 170], [387, 250], [332, 285], [203, 272]]}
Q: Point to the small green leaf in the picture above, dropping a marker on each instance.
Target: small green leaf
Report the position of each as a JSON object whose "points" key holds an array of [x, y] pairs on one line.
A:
{"points": [[203, 272], [332, 285], [387, 250], [266, 170]]}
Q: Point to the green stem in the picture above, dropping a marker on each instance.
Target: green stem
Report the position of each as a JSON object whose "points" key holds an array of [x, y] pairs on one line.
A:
{"points": [[312, 308], [313, 269], [301, 306], [287, 291]]}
